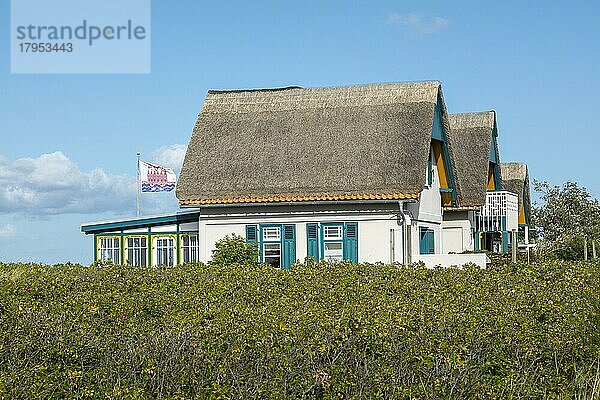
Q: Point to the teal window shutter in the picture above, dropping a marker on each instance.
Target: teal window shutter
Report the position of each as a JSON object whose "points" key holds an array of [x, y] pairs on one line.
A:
{"points": [[312, 238], [289, 245], [431, 241], [426, 241], [251, 234], [351, 242]]}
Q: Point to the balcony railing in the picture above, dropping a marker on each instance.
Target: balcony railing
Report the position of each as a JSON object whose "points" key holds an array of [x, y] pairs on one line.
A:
{"points": [[500, 212]]}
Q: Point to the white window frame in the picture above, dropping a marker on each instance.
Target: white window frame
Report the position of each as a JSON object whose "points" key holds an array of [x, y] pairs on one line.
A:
{"points": [[113, 250], [192, 249], [333, 234], [339, 235], [264, 253], [336, 257], [163, 249], [137, 251], [271, 234]]}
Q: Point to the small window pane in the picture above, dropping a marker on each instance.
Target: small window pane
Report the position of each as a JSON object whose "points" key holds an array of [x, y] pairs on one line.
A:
{"points": [[165, 249], [137, 251], [332, 232], [272, 254], [272, 234], [333, 251], [110, 250], [189, 244]]}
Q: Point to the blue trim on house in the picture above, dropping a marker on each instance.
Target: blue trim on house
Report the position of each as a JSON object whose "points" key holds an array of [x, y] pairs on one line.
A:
{"points": [[141, 222], [494, 156], [437, 128]]}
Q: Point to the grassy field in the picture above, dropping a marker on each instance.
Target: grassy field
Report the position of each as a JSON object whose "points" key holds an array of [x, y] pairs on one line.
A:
{"points": [[331, 331]]}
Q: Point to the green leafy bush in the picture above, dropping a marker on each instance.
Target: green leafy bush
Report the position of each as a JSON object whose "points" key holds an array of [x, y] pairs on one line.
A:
{"points": [[234, 250], [570, 249], [329, 331]]}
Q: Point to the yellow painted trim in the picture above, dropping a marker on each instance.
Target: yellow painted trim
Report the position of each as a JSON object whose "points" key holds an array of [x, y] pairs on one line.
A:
{"points": [[522, 214], [440, 163], [383, 196], [491, 181], [153, 247]]}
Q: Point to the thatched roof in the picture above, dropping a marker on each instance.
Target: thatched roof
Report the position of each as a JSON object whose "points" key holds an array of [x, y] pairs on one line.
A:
{"points": [[293, 144], [470, 138], [515, 178]]}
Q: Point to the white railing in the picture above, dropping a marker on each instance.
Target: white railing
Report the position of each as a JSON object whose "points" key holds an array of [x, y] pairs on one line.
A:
{"points": [[498, 206]]}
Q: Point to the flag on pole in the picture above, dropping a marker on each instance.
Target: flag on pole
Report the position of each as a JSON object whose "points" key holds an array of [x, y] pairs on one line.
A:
{"points": [[154, 178]]}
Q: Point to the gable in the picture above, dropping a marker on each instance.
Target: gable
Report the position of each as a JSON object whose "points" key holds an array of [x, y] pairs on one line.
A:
{"points": [[473, 142], [442, 159]]}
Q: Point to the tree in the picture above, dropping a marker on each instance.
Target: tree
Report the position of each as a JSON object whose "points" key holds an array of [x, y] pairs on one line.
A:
{"points": [[569, 214], [234, 250]]}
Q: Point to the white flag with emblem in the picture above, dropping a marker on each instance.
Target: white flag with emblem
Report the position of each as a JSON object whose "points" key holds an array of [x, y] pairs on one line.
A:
{"points": [[154, 178]]}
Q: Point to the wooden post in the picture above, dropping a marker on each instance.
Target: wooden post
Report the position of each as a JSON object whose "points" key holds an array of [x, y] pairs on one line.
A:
{"points": [[585, 254], [594, 248], [514, 246]]}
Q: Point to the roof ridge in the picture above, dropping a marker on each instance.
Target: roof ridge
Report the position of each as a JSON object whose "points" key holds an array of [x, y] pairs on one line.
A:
{"points": [[296, 87]]}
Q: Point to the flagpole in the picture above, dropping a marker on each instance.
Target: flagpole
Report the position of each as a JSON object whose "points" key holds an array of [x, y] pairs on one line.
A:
{"points": [[138, 188]]}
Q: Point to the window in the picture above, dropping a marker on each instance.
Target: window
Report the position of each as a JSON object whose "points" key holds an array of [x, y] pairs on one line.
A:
{"points": [[165, 249], [333, 245], [277, 243], [272, 233], [189, 248], [332, 232], [333, 251], [335, 241], [137, 251], [271, 238], [110, 249], [426, 241], [272, 254]]}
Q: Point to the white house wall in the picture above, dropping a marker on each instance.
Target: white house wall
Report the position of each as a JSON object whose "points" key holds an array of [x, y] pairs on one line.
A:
{"points": [[189, 227], [427, 213], [375, 221], [457, 232], [163, 228]]}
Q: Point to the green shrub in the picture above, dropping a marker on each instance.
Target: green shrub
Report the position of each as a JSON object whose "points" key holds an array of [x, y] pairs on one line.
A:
{"points": [[568, 249], [328, 331], [234, 250]]}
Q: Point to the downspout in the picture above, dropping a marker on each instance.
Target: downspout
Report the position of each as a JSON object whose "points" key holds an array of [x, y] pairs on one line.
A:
{"points": [[405, 258]]}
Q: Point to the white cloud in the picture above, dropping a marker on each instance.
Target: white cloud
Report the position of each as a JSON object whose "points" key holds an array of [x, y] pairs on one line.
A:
{"points": [[170, 156], [419, 25], [7, 231], [53, 184]]}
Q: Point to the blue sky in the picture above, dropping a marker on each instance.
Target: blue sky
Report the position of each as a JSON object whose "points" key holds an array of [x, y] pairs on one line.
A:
{"points": [[536, 65]]}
